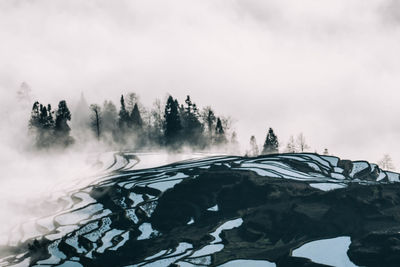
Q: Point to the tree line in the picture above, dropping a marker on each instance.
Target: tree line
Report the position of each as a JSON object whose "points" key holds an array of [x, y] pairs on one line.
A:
{"points": [[133, 126]]}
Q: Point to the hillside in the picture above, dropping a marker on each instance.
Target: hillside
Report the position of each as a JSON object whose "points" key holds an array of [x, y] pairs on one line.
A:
{"points": [[219, 211]]}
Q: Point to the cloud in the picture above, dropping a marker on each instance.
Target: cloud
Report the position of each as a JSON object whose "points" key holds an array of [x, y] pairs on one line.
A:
{"points": [[328, 69]]}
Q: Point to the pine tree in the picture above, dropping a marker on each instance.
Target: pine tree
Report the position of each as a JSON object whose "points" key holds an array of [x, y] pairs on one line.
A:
{"points": [[123, 120], [34, 121], [219, 133], [192, 132], [172, 123], [271, 144], [61, 128], [135, 118], [209, 120]]}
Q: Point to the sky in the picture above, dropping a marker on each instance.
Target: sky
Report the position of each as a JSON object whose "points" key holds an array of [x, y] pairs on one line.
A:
{"points": [[328, 69]]}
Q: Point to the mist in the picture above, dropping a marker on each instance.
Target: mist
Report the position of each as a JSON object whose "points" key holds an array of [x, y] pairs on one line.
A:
{"points": [[327, 69]]}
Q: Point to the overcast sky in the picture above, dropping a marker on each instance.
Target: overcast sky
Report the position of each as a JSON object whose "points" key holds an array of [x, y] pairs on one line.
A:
{"points": [[329, 69]]}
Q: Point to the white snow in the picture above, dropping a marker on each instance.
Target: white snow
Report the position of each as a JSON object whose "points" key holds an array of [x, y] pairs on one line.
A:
{"points": [[327, 251]]}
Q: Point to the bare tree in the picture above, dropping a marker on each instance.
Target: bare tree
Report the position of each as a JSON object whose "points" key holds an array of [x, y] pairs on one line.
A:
{"points": [[386, 163], [95, 119], [291, 145], [301, 143]]}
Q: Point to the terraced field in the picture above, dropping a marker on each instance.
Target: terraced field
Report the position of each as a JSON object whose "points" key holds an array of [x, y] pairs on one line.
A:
{"points": [[216, 211]]}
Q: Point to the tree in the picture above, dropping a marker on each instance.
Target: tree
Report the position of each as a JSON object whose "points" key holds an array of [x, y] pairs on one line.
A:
{"points": [[24, 94], [209, 119], [156, 123], [219, 133], [301, 143], [34, 121], [234, 143], [96, 119], [253, 147], [291, 145], [131, 100], [271, 144], [386, 163], [61, 128], [135, 118], [326, 152], [172, 123], [109, 117], [192, 128], [123, 116], [41, 125]]}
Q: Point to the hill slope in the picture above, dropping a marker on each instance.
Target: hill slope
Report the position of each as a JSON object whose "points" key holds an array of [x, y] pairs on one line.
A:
{"points": [[209, 211]]}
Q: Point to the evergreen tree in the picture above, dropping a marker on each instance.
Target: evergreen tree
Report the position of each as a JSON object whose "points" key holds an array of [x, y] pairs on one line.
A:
{"points": [[172, 123], [271, 144], [41, 125], [123, 120], [34, 121], [135, 118], [192, 127], [219, 133], [49, 121], [61, 128], [209, 119]]}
